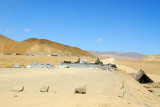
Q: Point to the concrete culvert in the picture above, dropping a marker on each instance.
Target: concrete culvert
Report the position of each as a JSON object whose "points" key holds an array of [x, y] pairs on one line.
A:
{"points": [[142, 77]]}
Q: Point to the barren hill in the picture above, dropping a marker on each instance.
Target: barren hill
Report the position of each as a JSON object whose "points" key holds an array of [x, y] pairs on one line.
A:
{"points": [[39, 45], [119, 55], [151, 58]]}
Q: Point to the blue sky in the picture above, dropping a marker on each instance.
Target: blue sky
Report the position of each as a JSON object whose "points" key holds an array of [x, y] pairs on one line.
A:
{"points": [[97, 25]]}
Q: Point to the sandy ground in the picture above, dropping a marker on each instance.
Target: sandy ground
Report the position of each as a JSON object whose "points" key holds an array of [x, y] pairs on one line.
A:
{"points": [[103, 87]]}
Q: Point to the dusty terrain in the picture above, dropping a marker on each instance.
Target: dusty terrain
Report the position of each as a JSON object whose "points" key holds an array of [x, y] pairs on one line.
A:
{"points": [[103, 87]]}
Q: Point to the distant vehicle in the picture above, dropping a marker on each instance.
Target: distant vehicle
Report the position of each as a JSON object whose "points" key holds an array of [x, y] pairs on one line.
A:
{"points": [[18, 54]]}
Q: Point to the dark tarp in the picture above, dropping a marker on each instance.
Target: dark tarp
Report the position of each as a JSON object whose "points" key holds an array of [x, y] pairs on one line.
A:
{"points": [[142, 77]]}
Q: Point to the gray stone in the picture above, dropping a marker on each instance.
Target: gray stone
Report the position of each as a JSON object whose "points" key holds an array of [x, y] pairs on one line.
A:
{"points": [[65, 66], [29, 66], [40, 65], [50, 66], [158, 94], [80, 90], [18, 88], [44, 89], [61, 63], [83, 61], [16, 66], [109, 66]]}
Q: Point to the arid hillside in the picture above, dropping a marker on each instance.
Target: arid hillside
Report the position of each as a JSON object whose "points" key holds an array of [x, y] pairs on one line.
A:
{"points": [[39, 45], [151, 58]]}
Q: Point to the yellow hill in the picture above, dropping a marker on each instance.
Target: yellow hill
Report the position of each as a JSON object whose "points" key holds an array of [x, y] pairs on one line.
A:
{"points": [[39, 45]]}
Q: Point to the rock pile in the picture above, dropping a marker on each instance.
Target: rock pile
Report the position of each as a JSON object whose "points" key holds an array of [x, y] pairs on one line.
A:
{"points": [[40, 65], [108, 66]]}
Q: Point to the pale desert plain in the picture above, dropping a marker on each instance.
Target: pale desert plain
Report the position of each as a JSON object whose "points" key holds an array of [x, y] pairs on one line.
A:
{"points": [[103, 87]]}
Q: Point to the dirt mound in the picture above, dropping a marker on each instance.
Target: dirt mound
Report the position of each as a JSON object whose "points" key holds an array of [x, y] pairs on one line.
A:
{"points": [[109, 60], [39, 45], [151, 58]]}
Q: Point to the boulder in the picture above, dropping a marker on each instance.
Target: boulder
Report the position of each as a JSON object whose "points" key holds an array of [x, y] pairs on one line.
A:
{"points": [[50, 66], [83, 61], [44, 89], [80, 90], [29, 66], [18, 88], [16, 66]]}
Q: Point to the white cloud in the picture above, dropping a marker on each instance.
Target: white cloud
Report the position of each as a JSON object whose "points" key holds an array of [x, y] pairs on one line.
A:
{"points": [[100, 40], [27, 30], [7, 31]]}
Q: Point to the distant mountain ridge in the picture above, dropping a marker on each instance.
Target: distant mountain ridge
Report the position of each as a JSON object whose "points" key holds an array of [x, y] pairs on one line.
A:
{"points": [[119, 55], [39, 45]]}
